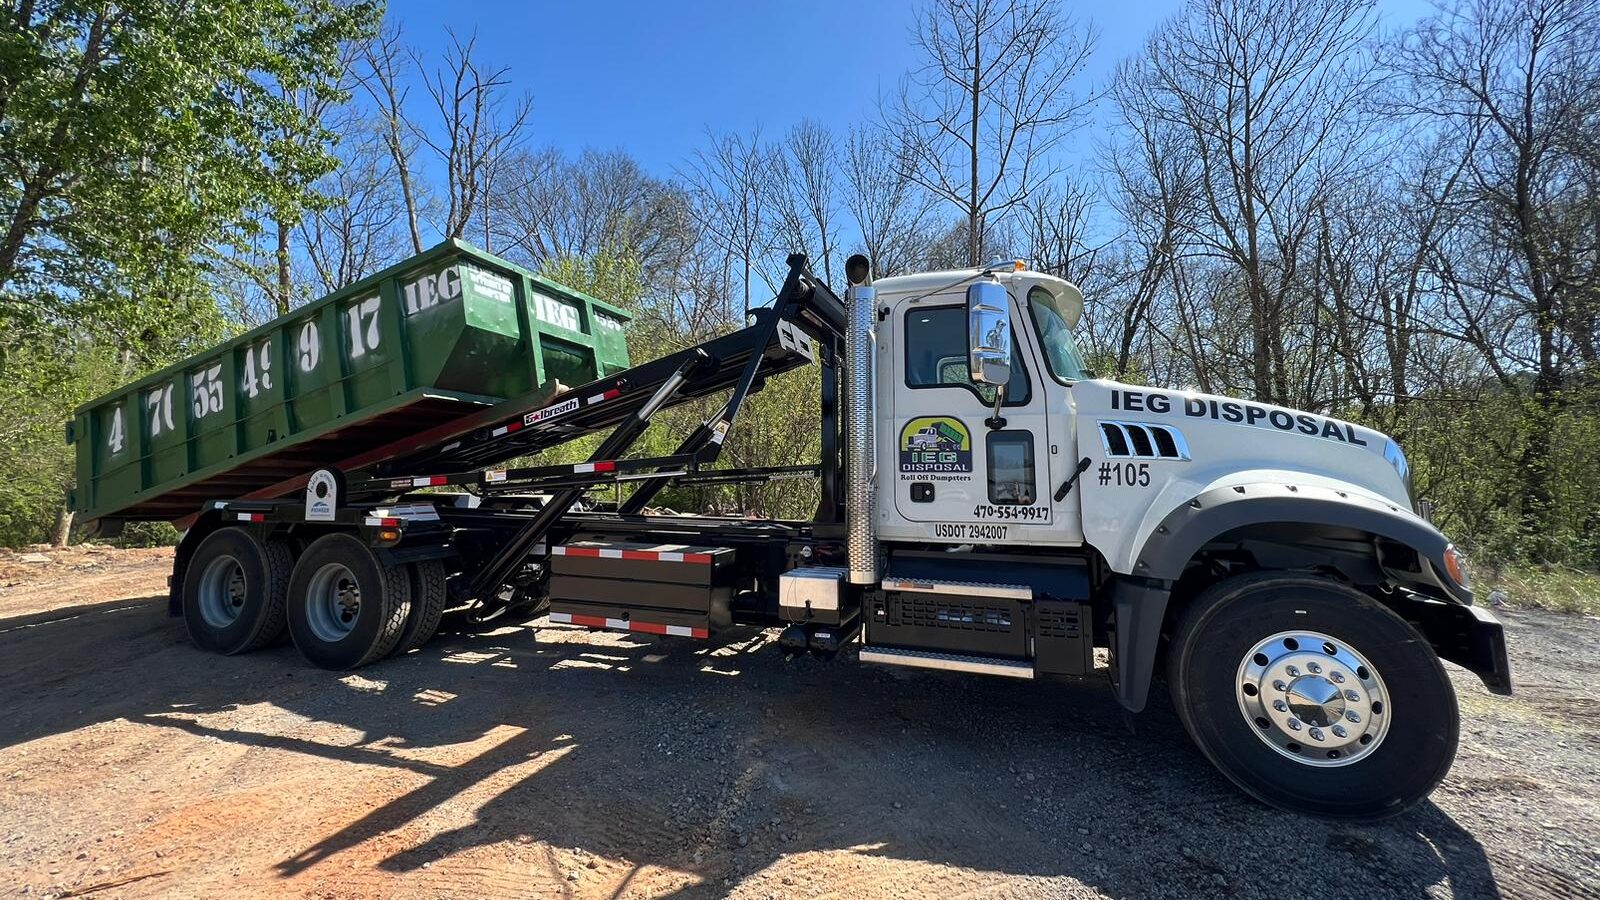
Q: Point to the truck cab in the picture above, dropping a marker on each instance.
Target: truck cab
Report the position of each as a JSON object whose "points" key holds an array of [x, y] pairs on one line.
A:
{"points": [[952, 469], [1272, 561], [957, 466]]}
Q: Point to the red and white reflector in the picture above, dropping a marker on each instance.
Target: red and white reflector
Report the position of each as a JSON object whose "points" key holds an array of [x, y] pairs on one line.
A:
{"points": [[582, 468], [429, 480], [251, 517], [628, 625], [603, 396], [703, 559]]}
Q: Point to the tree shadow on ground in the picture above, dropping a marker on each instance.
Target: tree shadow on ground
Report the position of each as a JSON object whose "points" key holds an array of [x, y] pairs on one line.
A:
{"points": [[724, 761]]}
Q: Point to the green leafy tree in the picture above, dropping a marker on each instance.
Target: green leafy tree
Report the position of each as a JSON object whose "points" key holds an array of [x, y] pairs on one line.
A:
{"points": [[138, 137], [139, 141]]}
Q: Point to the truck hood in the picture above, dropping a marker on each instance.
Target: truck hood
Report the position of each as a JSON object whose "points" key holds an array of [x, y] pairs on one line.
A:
{"points": [[1228, 439]]}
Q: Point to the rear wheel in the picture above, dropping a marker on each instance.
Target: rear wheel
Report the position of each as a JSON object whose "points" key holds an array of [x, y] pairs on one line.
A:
{"points": [[1312, 696], [346, 607], [428, 598], [233, 591]]}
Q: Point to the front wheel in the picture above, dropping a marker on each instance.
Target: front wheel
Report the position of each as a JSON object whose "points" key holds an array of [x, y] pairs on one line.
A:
{"points": [[1312, 696]]}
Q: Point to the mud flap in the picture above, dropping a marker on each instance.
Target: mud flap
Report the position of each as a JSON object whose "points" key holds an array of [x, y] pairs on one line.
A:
{"points": [[1138, 608]]}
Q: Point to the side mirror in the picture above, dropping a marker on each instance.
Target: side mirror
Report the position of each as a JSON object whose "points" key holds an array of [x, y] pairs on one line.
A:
{"points": [[989, 333]]}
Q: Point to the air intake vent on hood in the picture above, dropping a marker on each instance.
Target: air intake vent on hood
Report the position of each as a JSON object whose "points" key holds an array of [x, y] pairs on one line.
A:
{"points": [[1142, 440]]}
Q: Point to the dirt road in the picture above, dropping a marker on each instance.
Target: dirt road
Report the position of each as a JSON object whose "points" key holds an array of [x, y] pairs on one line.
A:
{"points": [[543, 761]]}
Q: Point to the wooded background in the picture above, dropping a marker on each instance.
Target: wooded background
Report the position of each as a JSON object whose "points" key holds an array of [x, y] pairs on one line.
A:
{"points": [[1279, 201]]}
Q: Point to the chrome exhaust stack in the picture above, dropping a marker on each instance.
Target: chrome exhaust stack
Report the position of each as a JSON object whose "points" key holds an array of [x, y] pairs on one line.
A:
{"points": [[861, 449]]}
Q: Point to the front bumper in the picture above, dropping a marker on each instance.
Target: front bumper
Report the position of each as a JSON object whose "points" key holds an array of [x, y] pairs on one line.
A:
{"points": [[1468, 636]]}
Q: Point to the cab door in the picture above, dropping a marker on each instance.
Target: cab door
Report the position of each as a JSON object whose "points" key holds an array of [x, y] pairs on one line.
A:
{"points": [[953, 477]]}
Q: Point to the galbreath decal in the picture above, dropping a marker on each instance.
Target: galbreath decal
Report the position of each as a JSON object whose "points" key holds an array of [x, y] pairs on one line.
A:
{"points": [[935, 444], [550, 412]]}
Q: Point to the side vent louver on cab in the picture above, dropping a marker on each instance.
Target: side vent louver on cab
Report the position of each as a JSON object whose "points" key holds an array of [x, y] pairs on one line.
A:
{"points": [[1142, 440]]}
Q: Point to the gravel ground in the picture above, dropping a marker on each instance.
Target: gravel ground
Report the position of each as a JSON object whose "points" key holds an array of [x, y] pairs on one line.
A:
{"points": [[548, 761]]}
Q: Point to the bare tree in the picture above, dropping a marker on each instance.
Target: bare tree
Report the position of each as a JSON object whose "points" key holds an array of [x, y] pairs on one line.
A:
{"points": [[891, 213], [802, 184], [383, 78], [1255, 105], [1513, 82], [1058, 231], [727, 181], [554, 208], [360, 230], [478, 125], [989, 104]]}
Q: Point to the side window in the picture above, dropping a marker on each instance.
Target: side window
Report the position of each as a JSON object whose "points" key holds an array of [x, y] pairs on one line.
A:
{"points": [[936, 355], [1011, 475]]}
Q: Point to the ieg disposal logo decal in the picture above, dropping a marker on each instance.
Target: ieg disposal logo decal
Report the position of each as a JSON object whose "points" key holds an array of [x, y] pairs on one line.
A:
{"points": [[935, 444]]}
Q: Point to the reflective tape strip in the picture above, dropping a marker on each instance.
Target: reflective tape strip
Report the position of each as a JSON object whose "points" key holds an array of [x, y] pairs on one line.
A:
{"points": [[703, 559], [604, 396], [414, 512], [381, 523], [582, 468], [507, 428], [251, 517], [429, 481], [628, 625]]}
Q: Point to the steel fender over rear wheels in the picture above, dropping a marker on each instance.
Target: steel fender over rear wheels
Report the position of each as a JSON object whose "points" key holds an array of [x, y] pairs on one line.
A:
{"points": [[1312, 696], [428, 599], [346, 608], [234, 590]]}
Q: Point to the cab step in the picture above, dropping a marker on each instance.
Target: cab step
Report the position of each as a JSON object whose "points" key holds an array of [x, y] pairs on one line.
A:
{"points": [[949, 662], [958, 588], [982, 620]]}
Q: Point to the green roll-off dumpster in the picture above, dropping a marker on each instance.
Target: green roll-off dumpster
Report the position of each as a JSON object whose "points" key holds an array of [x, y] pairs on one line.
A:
{"points": [[417, 350]]}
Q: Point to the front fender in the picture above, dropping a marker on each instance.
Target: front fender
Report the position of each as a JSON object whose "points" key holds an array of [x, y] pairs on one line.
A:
{"points": [[1456, 630], [1171, 545]]}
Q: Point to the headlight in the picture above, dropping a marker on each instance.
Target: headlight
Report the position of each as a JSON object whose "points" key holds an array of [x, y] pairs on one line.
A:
{"points": [[1397, 458]]}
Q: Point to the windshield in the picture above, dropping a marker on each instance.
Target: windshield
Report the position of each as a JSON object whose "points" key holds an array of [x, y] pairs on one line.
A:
{"points": [[1060, 350]]}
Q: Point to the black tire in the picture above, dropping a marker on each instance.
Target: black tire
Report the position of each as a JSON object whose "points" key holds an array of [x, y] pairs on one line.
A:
{"points": [[1222, 627], [428, 599], [234, 590], [357, 634]]}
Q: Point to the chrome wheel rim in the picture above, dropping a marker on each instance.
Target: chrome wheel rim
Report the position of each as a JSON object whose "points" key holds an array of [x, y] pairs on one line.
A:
{"points": [[222, 591], [333, 603], [1313, 698]]}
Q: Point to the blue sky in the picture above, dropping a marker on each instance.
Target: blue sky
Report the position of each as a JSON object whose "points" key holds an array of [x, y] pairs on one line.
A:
{"points": [[650, 77]]}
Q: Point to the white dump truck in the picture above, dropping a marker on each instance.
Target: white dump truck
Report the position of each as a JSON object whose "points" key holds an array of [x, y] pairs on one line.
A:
{"points": [[988, 506]]}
